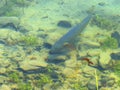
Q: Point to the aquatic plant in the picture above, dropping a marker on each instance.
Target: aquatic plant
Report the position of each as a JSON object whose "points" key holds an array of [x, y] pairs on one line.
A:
{"points": [[25, 86], [43, 79], [116, 68], [78, 86], [50, 69], [18, 2], [29, 40], [104, 23], [118, 82], [96, 78], [6, 9], [109, 43], [14, 7], [21, 3], [12, 13], [14, 77]]}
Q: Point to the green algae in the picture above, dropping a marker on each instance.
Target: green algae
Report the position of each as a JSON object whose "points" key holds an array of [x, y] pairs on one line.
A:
{"points": [[14, 77], [4, 10], [77, 86], [13, 7], [43, 79], [29, 40], [118, 82], [13, 13], [18, 2], [25, 86], [9, 9], [104, 22], [109, 43], [116, 68]]}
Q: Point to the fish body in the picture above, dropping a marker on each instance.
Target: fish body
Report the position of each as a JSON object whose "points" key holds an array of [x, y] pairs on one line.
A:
{"points": [[70, 35]]}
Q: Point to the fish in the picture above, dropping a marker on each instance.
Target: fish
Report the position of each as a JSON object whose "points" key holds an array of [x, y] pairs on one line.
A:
{"points": [[88, 61], [70, 36]]}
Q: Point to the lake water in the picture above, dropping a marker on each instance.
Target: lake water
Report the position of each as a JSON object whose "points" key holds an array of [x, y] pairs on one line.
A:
{"points": [[59, 45]]}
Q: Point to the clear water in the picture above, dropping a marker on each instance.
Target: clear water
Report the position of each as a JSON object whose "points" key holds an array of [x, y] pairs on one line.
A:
{"points": [[29, 29]]}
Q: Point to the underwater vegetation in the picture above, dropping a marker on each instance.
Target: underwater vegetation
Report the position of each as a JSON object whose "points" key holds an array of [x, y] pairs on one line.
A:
{"points": [[14, 77], [22, 83], [104, 23], [118, 82], [29, 40], [49, 77], [19, 2], [13, 7], [96, 79], [9, 10], [116, 68], [109, 43], [77, 86], [43, 79], [12, 13], [25, 86], [31, 81]]}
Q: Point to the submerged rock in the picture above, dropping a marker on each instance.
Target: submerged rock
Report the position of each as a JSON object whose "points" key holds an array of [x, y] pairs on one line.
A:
{"points": [[115, 56], [101, 3], [9, 37], [116, 35], [32, 64], [5, 87], [47, 45], [64, 24], [10, 22], [56, 58]]}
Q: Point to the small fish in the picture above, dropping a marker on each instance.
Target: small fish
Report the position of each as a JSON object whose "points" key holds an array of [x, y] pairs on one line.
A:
{"points": [[88, 60]]}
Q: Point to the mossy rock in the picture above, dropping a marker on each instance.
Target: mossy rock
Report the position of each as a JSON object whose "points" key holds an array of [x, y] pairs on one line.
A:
{"points": [[116, 68], [5, 9], [109, 43], [14, 7], [104, 22]]}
